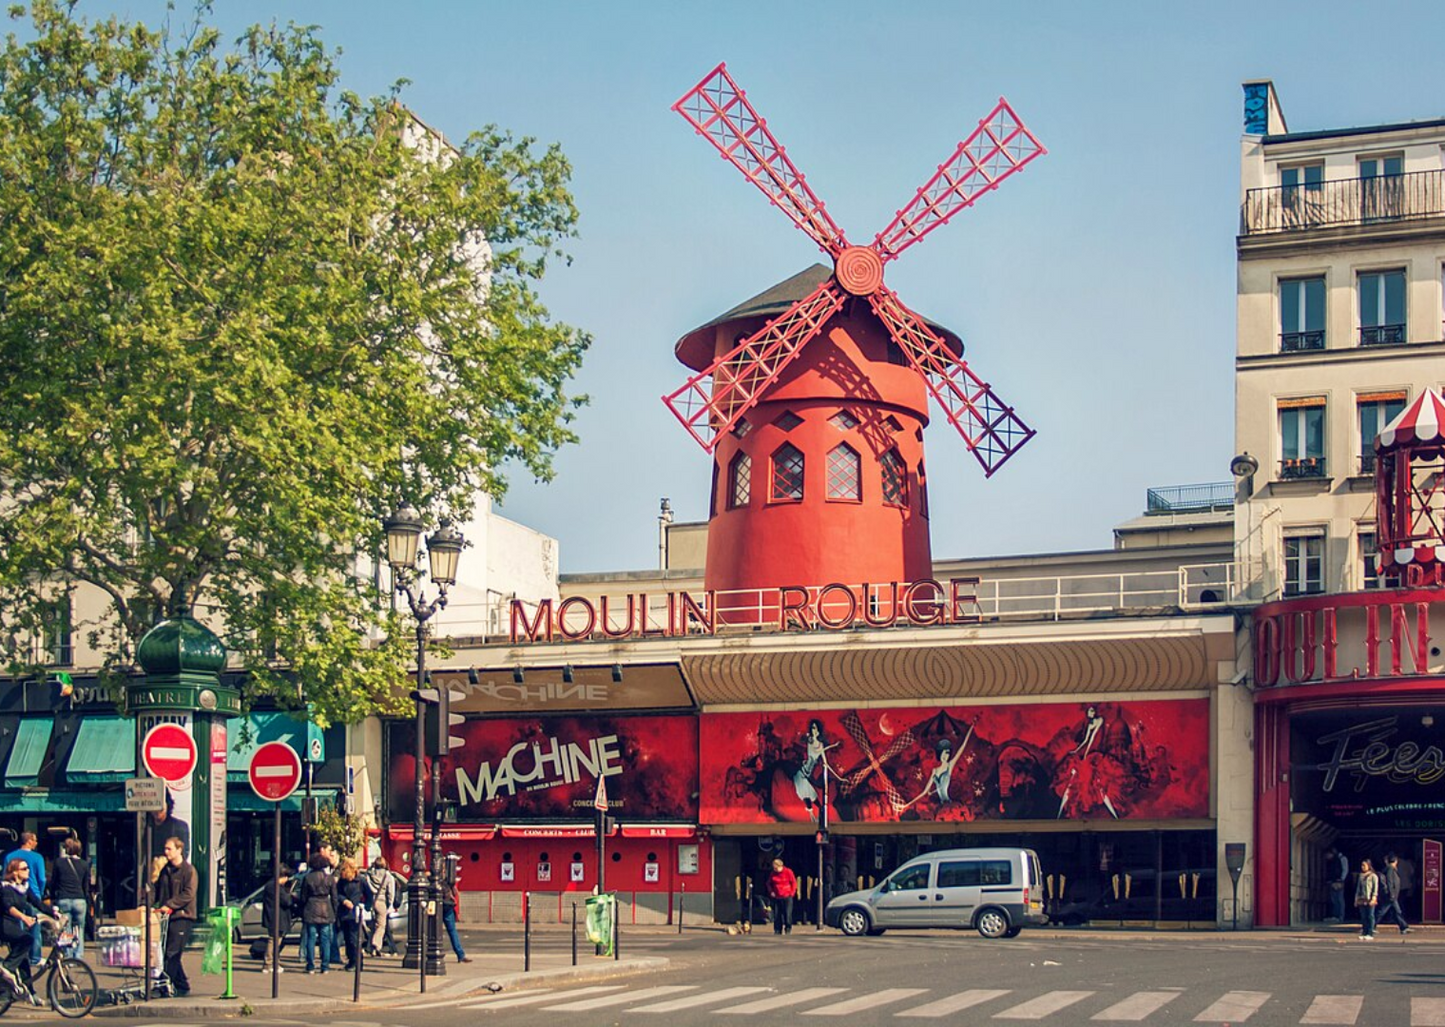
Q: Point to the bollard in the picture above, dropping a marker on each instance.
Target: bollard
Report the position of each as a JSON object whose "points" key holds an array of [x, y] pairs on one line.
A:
{"points": [[360, 953], [680, 900], [616, 928], [574, 934], [526, 932]]}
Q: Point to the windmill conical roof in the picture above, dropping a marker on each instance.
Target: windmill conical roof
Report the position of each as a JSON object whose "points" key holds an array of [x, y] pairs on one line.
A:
{"points": [[695, 349], [1421, 421]]}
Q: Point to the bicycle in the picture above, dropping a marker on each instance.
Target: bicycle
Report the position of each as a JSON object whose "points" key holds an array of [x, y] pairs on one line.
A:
{"points": [[71, 986]]}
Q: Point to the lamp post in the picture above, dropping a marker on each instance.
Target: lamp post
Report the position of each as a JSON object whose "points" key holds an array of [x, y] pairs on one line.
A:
{"points": [[444, 549]]}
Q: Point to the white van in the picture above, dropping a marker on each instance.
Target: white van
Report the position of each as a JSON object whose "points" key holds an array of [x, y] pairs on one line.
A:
{"points": [[997, 892]]}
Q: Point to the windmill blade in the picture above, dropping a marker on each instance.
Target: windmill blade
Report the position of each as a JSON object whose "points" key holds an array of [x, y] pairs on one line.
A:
{"points": [[989, 426], [998, 148], [720, 111], [711, 401]]}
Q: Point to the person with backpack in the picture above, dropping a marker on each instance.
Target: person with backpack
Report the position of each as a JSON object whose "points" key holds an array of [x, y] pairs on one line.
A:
{"points": [[381, 892], [70, 889], [317, 896], [281, 919]]}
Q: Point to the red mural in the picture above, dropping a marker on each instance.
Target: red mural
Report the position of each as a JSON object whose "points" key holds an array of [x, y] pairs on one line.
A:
{"points": [[1068, 761], [547, 768]]}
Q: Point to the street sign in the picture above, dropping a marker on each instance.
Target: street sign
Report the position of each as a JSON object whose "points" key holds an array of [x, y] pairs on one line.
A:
{"points": [[169, 752], [275, 771], [316, 751], [143, 794], [599, 802]]}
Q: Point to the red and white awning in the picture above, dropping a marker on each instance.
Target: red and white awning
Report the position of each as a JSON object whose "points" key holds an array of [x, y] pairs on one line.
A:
{"points": [[1421, 421]]}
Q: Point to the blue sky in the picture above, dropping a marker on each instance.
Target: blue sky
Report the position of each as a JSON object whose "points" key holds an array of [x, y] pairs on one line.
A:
{"points": [[1095, 290]]}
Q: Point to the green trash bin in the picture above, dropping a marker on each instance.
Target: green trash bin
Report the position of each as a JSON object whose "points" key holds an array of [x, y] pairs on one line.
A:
{"points": [[600, 911], [218, 957]]}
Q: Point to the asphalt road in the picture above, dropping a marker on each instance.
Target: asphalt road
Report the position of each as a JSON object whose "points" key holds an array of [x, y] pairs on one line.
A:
{"points": [[1051, 978]]}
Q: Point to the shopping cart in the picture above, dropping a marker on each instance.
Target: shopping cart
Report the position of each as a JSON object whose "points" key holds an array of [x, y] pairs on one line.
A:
{"points": [[123, 948]]}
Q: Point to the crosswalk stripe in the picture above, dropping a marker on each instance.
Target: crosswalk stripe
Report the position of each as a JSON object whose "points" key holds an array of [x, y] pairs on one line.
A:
{"points": [[531, 998], [1138, 1005], [953, 1003], [1334, 1009], [1038, 1008], [795, 998], [620, 1000], [1427, 1012], [688, 1002], [1234, 1007], [870, 1001]]}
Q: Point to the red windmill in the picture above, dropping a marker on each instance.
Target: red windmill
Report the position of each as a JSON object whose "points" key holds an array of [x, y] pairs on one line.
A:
{"points": [[787, 407], [1410, 495]]}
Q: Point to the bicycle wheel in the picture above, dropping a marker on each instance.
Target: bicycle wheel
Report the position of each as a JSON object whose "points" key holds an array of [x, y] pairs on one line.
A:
{"points": [[7, 997], [72, 988]]}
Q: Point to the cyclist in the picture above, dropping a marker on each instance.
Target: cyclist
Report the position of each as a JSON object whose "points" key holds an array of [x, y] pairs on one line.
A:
{"points": [[20, 911]]}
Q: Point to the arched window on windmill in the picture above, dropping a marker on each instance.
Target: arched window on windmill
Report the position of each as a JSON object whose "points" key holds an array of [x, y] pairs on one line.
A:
{"points": [[895, 479], [787, 477], [740, 481], [845, 474]]}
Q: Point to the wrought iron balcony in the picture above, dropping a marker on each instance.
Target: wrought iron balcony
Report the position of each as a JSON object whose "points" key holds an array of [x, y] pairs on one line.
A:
{"points": [[1350, 201], [1191, 498], [1302, 467], [1294, 342], [1382, 335], [1367, 465]]}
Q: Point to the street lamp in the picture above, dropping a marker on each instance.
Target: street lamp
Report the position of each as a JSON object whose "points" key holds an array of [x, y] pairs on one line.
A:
{"points": [[444, 549]]}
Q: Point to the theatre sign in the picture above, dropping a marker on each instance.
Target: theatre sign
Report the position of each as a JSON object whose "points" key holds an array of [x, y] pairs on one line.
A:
{"points": [[1353, 637], [835, 607]]}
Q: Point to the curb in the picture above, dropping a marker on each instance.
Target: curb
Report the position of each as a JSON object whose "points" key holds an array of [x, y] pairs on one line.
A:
{"points": [[450, 993]]}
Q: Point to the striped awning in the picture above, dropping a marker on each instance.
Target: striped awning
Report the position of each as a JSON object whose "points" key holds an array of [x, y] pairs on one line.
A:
{"points": [[1421, 421]]}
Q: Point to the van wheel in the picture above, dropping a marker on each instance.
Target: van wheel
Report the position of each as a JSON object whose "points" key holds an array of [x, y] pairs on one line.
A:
{"points": [[1013, 932], [854, 922], [992, 923]]}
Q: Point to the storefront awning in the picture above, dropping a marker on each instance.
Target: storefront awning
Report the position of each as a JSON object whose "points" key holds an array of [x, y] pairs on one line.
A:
{"points": [[241, 799], [48, 801], [32, 739], [104, 751], [244, 735], [659, 830], [481, 833]]}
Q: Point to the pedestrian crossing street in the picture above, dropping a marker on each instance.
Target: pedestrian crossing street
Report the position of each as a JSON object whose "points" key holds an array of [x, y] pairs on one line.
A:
{"points": [[1177, 1004]]}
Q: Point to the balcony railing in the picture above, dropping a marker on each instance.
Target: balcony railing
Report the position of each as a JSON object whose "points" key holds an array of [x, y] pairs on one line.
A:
{"points": [[1302, 467], [1367, 464], [1294, 342], [1191, 498], [1382, 335], [1351, 201]]}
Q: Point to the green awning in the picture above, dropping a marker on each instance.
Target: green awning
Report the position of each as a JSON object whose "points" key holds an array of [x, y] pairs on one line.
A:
{"points": [[244, 735], [32, 739], [47, 801], [244, 800], [104, 751]]}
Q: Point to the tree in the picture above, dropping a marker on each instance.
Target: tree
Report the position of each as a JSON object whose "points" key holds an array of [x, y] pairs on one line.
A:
{"points": [[242, 314]]}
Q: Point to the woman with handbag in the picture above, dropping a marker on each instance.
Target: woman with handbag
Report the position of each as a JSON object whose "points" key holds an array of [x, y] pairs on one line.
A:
{"points": [[1367, 897]]}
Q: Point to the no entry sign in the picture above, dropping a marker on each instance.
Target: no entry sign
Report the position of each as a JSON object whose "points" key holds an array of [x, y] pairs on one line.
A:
{"points": [[275, 771], [169, 752]]}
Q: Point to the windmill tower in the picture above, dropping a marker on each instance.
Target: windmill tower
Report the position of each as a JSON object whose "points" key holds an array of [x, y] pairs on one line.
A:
{"points": [[1410, 495], [812, 397]]}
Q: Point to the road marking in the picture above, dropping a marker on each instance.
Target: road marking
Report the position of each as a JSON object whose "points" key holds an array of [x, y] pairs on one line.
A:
{"points": [[871, 1001], [531, 998], [1427, 1012], [952, 1004], [1038, 1008], [1138, 1005], [1336, 1009], [621, 1000], [1234, 1007], [690, 1001], [794, 998]]}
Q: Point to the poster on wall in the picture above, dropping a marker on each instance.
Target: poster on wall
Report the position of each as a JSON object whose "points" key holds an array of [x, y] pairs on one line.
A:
{"points": [[1055, 761], [1378, 770], [547, 768]]}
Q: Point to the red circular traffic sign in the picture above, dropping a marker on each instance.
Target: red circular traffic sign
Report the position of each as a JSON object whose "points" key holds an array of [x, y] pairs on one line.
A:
{"points": [[275, 771], [169, 752]]}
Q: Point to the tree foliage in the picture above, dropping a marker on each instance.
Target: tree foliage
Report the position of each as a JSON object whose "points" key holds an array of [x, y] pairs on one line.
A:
{"points": [[243, 313]]}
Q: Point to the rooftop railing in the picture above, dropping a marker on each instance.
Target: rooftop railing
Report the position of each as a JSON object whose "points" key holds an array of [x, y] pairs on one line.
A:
{"points": [[1350, 201], [1191, 498]]}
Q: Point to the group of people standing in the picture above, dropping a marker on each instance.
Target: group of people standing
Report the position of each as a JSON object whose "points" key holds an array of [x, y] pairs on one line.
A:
{"points": [[1377, 892], [28, 894]]}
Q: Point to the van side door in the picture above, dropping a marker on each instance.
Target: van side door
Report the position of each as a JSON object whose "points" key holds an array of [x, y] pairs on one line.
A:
{"points": [[957, 894], [905, 900]]}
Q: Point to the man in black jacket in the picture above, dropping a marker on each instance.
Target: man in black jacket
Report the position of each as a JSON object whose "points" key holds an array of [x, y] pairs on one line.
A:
{"points": [[176, 896], [270, 915], [1390, 895]]}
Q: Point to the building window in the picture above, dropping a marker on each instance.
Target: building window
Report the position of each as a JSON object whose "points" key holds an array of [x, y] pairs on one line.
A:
{"points": [[922, 492], [1301, 314], [843, 421], [1376, 409], [1308, 178], [787, 474], [741, 429], [895, 479], [55, 641], [1302, 438], [788, 421], [1382, 308], [845, 473], [1369, 577], [1304, 564], [1380, 186], [740, 481]]}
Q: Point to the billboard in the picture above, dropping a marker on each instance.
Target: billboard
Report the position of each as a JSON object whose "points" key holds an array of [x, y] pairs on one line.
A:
{"points": [[547, 768], [1379, 769], [1057, 761]]}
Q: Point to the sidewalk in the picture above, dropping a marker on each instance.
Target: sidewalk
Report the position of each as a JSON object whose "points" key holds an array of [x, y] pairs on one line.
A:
{"points": [[383, 983]]}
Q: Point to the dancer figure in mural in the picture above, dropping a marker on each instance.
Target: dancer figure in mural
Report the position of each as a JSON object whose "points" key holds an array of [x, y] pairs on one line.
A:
{"points": [[941, 777], [815, 755], [1087, 771]]}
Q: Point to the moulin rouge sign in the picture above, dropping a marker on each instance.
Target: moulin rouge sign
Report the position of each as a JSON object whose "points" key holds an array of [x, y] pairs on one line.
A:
{"points": [[1345, 637], [835, 607]]}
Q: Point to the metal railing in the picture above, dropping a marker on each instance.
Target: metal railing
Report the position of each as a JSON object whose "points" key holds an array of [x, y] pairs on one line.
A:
{"points": [[1295, 342], [1350, 201], [1302, 467], [1190, 498], [1382, 335]]}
